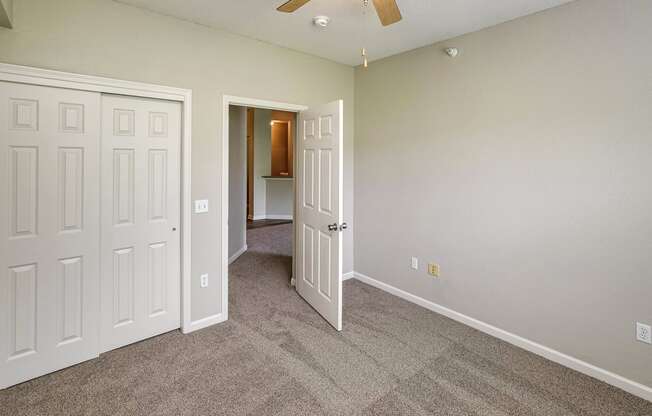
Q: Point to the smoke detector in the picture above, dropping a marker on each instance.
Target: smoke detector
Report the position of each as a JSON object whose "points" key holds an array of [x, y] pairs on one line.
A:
{"points": [[452, 52], [321, 21]]}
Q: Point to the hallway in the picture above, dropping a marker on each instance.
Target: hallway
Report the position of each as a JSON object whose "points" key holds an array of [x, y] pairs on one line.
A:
{"points": [[260, 277]]}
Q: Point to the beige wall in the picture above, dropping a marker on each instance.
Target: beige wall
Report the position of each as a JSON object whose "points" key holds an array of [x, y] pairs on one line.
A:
{"points": [[101, 37], [523, 167]]}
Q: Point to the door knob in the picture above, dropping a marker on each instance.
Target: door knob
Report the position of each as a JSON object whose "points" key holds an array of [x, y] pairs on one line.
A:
{"points": [[344, 226], [332, 227], [174, 228]]}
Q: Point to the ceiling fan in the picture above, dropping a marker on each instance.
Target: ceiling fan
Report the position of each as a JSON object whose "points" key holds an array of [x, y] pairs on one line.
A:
{"points": [[387, 10]]}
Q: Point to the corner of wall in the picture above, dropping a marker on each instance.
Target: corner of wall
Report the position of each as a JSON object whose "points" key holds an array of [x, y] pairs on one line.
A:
{"points": [[6, 13]]}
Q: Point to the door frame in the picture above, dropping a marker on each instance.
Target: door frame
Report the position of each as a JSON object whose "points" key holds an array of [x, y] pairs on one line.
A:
{"points": [[72, 81], [228, 100]]}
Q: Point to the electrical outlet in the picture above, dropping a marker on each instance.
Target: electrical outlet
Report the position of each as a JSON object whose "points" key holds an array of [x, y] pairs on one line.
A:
{"points": [[433, 269], [643, 333], [203, 280], [415, 263]]}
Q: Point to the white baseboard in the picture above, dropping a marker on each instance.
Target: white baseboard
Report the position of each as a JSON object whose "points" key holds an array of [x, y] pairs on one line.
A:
{"points": [[347, 276], [630, 386], [237, 254], [278, 217], [204, 323], [272, 217]]}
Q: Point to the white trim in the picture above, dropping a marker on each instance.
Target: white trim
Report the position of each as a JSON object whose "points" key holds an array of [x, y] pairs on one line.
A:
{"points": [[186, 216], [38, 76], [266, 104], [205, 322], [46, 77], [228, 100], [237, 254], [347, 276], [591, 370]]}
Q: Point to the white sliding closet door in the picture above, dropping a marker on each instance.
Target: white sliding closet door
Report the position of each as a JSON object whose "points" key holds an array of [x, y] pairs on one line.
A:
{"points": [[49, 229], [140, 257]]}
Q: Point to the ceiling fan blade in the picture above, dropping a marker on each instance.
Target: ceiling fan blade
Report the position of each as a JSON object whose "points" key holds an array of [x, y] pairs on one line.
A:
{"points": [[292, 5], [388, 11]]}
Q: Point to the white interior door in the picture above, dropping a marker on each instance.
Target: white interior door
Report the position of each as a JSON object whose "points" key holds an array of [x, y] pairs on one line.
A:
{"points": [[318, 222], [140, 250], [49, 229]]}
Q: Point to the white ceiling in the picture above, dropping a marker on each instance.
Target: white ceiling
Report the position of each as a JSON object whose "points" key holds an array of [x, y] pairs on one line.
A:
{"points": [[424, 22]]}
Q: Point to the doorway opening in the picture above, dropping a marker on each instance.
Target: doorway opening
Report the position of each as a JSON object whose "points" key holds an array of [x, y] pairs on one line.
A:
{"points": [[295, 174], [261, 182]]}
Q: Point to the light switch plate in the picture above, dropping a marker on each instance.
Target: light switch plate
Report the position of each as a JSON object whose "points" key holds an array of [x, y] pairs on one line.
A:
{"points": [[201, 206], [415, 263], [203, 280], [643, 333]]}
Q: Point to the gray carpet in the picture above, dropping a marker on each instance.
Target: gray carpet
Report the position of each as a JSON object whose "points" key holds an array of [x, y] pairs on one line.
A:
{"points": [[276, 356]]}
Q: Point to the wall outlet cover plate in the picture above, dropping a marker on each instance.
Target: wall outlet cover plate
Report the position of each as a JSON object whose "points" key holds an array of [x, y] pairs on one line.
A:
{"points": [[203, 280], [643, 333]]}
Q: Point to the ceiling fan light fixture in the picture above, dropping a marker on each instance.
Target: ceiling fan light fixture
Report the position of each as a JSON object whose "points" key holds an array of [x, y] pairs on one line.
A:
{"points": [[321, 21]]}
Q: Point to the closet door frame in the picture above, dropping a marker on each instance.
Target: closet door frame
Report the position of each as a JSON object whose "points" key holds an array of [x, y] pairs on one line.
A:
{"points": [[72, 81]]}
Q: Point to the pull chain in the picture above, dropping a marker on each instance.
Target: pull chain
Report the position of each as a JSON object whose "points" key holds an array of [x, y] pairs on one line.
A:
{"points": [[364, 51]]}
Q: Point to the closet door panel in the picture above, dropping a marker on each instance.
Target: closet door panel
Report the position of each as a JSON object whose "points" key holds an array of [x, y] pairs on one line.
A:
{"points": [[141, 275], [49, 245]]}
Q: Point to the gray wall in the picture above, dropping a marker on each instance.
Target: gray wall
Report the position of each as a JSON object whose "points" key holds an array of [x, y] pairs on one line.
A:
{"points": [[237, 178], [262, 159], [102, 37], [523, 167]]}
